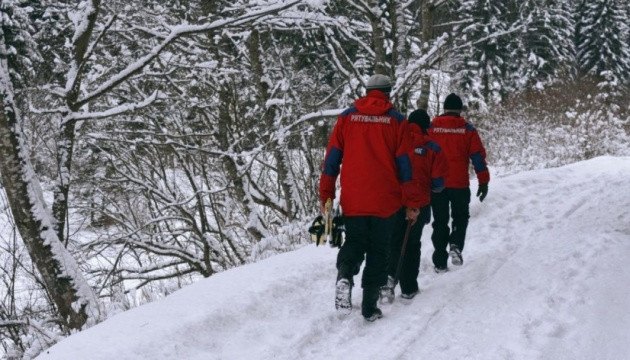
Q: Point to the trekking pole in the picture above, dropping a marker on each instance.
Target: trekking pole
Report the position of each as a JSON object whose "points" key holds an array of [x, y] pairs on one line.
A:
{"points": [[402, 252]]}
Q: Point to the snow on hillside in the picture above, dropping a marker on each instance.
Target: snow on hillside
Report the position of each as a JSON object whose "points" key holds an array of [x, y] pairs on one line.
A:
{"points": [[546, 276]]}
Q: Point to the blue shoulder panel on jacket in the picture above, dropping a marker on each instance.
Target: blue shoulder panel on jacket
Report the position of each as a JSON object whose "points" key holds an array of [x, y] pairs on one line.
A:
{"points": [[469, 127], [349, 110], [332, 164], [404, 168], [396, 115]]}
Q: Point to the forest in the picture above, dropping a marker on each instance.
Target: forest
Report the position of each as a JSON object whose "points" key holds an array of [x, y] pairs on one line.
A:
{"points": [[147, 144]]}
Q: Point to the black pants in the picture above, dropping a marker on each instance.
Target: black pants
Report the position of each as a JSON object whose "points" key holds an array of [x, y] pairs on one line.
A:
{"points": [[410, 267], [458, 200], [369, 237]]}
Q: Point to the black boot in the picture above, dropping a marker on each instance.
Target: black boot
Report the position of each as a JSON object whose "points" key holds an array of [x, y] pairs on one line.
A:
{"points": [[368, 308]]}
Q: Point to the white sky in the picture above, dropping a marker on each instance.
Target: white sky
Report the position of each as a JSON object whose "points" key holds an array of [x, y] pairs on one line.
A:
{"points": [[546, 276]]}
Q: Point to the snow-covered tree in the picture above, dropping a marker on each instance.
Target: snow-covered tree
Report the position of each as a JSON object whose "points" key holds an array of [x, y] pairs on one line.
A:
{"points": [[482, 55], [85, 88], [60, 274], [215, 170], [180, 139], [544, 51], [602, 40]]}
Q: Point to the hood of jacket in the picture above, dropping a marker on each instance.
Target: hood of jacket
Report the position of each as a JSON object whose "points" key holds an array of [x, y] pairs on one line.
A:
{"points": [[418, 136], [374, 103]]}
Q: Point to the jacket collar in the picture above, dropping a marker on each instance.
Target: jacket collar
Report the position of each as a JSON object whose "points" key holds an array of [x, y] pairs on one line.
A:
{"points": [[452, 113], [374, 103]]}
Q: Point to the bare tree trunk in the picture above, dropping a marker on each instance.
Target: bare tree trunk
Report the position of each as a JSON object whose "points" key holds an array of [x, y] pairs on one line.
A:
{"points": [[230, 165], [11, 328], [397, 23], [223, 138], [426, 36], [378, 40], [29, 211], [65, 149], [64, 282], [65, 145], [268, 118]]}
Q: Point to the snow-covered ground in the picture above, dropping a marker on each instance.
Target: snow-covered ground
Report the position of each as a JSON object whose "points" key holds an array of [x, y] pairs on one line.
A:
{"points": [[546, 276]]}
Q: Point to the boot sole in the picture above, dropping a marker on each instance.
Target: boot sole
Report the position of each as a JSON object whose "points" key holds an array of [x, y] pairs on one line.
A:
{"points": [[386, 296], [409, 296], [373, 317], [456, 259], [343, 297], [440, 271]]}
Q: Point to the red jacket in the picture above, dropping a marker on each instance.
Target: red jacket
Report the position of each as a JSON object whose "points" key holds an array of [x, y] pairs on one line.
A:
{"points": [[371, 139], [461, 144], [429, 164]]}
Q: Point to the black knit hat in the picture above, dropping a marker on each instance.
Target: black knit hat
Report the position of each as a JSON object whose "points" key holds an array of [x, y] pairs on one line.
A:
{"points": [[420, 118], [453, 102]]}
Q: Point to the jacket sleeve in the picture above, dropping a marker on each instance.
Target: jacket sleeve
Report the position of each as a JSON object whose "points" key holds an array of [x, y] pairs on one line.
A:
{"points": [[411, 191], [439, 168], [477, 154], [332, 162]]}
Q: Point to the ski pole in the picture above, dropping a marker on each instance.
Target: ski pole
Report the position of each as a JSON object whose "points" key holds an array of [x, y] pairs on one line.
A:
{"points": [[402, 252]]}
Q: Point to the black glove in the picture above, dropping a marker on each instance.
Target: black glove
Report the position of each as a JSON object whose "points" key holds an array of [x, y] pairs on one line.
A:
{"points": [[482, 191], [317, 230]]}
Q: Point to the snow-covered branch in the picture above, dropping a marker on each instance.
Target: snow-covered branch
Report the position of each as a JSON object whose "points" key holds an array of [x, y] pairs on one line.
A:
{"points": [[421, 63], [118, 110], [13, 323], [175, 33]]}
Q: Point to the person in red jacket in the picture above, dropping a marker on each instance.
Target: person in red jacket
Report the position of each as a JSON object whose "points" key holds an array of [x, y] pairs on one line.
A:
{"points": [[371, 139], [462, 145], [429, 170]]}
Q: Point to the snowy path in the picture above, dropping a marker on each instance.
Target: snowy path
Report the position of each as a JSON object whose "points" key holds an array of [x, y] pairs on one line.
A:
{"points": [[546, 276]]}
